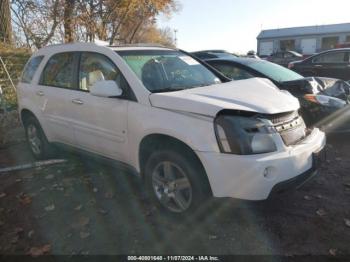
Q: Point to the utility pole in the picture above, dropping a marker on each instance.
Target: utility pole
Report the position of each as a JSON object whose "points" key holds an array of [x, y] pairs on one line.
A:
{"points": [[175, 38], [5, 22]]}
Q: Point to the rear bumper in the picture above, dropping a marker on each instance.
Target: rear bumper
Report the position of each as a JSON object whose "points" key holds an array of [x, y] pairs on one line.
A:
{"points": [[254, 177]]}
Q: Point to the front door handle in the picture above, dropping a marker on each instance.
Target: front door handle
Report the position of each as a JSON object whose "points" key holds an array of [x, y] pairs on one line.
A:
{"points": [[318, 65], [40, 93], [77, 101]]}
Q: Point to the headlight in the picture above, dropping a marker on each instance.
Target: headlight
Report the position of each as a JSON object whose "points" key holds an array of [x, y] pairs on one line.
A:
{"points": [[244, 135], [325, 100]]}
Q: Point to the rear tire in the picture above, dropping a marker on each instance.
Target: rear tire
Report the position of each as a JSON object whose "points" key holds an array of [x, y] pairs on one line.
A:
{"points": [[37, 141], [175, 183]]}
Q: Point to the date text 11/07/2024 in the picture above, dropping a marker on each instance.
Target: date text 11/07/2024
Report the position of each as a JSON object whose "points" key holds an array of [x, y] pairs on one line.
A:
{"points": [[173, 258]]}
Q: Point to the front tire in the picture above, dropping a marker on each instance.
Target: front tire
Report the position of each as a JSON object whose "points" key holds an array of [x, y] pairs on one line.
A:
{"points": [[175, 182], [37, 141]]}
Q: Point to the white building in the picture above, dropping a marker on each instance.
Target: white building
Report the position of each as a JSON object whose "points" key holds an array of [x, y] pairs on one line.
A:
{"points": [[306, 40]]}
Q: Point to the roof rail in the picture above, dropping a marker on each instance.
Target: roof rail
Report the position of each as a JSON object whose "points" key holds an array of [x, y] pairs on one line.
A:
{"points": [[140, 45]]}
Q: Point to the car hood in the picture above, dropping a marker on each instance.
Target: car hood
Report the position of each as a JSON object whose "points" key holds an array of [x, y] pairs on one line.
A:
{"points": [[254, 95], [318, 85]]}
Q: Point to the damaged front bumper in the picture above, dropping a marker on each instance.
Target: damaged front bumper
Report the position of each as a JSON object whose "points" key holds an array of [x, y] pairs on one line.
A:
{"points": [[253, 177]]}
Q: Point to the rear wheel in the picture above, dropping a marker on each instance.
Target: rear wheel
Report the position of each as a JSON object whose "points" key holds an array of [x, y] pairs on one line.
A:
{"points": [[37, 141], [176, 183]]}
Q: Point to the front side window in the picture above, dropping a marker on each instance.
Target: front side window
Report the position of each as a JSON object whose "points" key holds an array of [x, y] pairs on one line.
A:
{"points": [[30, 69], [273, 71], [59, 71], [233, 72], [96, 67], [168, 70], [337, 57]]}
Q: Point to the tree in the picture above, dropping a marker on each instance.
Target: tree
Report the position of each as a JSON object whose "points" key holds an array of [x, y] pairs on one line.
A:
{"points": [[5, 22], [68, 21], [41, 22], [37, 20]]}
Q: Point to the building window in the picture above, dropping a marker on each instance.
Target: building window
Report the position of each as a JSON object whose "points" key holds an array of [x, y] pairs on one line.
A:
{"points": [[287, 45], [347, 39], [329, 42]]}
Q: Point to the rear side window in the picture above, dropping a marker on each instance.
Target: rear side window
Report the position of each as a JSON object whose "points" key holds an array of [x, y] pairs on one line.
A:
{"points": [[233, 72], [338, 57], [60, 70], [30, 69]]}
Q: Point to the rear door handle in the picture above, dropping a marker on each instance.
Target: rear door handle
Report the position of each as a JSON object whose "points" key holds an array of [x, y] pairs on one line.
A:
{"points": [[77, 101], [318, 66], [40, 93]]}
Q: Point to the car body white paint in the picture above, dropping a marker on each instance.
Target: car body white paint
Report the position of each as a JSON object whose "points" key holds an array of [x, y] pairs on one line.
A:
{"points": [[114, 127]]}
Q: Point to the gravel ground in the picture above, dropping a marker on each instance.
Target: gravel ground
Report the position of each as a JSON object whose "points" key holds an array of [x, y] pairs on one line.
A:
{"points": [[85, 207]]}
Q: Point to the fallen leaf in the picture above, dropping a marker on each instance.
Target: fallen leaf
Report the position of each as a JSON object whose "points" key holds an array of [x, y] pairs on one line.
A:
{"points": [[18, 230], [78, 208], [18, 180], [321, 212], [333, 251], [347, 222], [109, 195], [102, 211], [82, 222], [213, 237], [30, 233], [39, 251], [50, 208], [14, 240], [49, 177], [2, 195], [307, 198], [25, 199], [84, 235]]}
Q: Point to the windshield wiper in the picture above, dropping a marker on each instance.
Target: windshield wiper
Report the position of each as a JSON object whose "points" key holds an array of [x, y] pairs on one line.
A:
{"points": [[164, 90]]}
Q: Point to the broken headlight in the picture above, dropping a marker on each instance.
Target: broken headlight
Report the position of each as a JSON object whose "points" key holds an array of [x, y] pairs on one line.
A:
{"points": [[325, 100], [244, 135]]}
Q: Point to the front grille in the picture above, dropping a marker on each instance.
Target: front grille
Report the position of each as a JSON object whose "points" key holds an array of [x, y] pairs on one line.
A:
{"points": [[283, 117], [290, 126]]}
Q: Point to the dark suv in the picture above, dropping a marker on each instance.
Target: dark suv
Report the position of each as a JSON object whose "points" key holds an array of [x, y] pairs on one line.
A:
{"points": [[333, 63]]}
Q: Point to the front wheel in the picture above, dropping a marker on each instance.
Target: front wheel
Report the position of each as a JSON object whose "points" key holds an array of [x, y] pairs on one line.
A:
{"points": [[176, 183], [37, 141]]}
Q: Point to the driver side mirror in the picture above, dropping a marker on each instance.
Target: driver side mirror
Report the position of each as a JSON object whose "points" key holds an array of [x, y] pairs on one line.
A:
{"points": [[106, 88]]}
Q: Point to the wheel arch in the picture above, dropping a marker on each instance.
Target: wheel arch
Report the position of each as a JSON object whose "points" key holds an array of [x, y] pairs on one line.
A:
{"points": [[25, 113], [156, 141]]}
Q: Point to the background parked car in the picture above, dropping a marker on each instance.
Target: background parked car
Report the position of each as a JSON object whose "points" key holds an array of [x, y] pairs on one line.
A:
{"points": [[285, 57], [208, 54], [333, 63], [321, 98]]}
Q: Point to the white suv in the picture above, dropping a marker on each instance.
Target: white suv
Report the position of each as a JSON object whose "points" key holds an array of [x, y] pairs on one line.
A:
{"points": [[181, 125]]}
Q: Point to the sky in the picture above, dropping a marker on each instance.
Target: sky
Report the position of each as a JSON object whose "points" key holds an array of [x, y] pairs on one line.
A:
{"points": [[233, 25]]}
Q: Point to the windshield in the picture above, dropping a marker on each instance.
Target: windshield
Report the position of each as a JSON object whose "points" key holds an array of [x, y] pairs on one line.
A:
{"points": [[168, 70], [276, 72]]}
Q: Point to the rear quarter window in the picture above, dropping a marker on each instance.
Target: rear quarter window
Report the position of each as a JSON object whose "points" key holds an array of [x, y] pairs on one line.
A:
{"points": [[30, 69]]}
